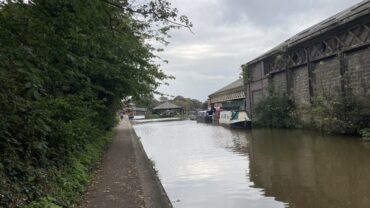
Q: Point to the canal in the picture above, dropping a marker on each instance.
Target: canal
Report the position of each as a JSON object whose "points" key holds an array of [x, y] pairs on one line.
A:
{"points": [[208, 166]]}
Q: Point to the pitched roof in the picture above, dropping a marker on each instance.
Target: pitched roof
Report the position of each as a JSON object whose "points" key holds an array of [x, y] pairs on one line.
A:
{"points": [[358, 10], [166, 105], [236, 84]]}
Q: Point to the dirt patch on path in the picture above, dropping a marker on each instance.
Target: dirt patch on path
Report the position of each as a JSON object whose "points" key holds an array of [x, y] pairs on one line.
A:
{"points": [[125, 178]]}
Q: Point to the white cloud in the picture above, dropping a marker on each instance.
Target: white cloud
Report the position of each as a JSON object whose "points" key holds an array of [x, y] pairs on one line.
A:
{"points": [[197, 51]]}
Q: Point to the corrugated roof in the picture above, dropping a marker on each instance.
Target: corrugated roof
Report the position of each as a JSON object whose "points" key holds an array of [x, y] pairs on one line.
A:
{"points": [[166, 105], [354, 12], [236, 84]]}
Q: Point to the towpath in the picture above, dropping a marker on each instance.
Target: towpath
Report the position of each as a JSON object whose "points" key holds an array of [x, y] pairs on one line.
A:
{"points": [[125, 178]]}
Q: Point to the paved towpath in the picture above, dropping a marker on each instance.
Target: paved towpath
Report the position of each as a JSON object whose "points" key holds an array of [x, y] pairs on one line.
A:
{"points": [[125, 178]]}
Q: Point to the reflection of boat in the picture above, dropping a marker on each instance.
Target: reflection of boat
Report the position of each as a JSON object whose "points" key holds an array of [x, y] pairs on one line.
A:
{"points": [[205, 116], [237, 119]]}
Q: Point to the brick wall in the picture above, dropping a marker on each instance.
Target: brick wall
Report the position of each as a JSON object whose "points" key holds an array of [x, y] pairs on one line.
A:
{"points": [[279, 82], [256, 71], [321, 67], [326, 78], [358, 71], [299, 86], [299, 89]]}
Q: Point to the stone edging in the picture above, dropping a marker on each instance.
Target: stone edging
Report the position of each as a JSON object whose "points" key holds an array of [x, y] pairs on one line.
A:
{"points": [[154, 194]]}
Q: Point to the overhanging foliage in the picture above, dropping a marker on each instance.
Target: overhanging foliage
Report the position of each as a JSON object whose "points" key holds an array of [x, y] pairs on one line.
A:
{"points": [[65, 65]]}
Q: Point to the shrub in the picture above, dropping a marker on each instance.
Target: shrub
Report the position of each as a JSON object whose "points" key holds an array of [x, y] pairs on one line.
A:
{"points": [[346, 113], [365, 133], [275, 110]]}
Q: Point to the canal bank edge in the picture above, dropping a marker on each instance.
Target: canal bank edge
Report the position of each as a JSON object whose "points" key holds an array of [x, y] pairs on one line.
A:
{"points": [[154, 194]]}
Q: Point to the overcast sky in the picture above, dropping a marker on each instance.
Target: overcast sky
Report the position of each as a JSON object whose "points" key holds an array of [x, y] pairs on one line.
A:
{"points": [[228, 33]]}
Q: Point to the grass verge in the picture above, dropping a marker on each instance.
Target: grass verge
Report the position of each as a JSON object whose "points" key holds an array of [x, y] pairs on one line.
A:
{"points": [[71, 181]]}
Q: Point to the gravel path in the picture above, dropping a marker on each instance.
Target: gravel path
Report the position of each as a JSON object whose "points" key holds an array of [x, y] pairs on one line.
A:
{"points": [[125, 178]]}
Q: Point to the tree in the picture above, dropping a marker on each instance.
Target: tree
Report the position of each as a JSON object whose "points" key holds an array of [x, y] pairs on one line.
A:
{"points": [[179, 98], [205, 105], [65, 66], [147, 101], [187, 104]]}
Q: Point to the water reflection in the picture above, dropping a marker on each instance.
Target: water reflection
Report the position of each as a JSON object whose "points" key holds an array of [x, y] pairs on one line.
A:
{"points": [[203, 165], [306, 169]]}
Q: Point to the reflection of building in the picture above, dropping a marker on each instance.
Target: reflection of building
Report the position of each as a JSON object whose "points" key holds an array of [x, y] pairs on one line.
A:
{"points": [[306, 170], [168, 109]]}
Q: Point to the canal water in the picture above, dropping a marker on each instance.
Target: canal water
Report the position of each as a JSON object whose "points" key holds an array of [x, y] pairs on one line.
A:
{"points": [[207, 166]]}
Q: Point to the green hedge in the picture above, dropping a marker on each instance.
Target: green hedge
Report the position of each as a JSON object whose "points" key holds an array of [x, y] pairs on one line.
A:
{"points": [[65, 66]]}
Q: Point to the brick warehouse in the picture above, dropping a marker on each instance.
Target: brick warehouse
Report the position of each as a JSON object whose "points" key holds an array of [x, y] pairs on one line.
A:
{"points": [[317, 62]]}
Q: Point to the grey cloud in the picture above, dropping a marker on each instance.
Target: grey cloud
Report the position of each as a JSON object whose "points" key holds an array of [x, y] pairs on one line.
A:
{"points": [[229, 33], [267, 13]]}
